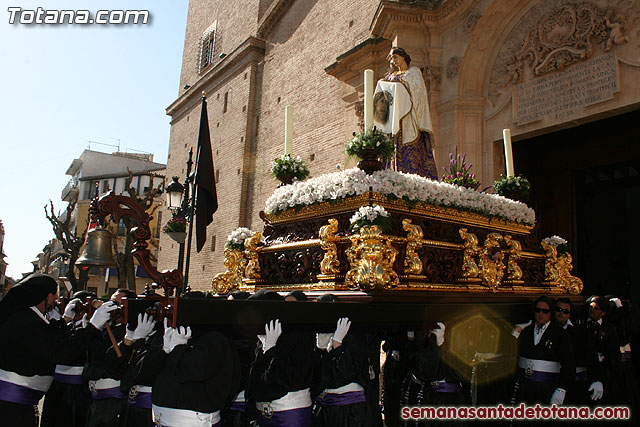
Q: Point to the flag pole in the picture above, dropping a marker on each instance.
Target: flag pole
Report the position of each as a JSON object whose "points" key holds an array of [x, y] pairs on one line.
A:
{"points": [[192, 209]]}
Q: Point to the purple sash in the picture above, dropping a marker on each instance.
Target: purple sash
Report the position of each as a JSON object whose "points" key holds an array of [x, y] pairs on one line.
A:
{"points": [[238, 406], [341, 399], [446, 387], [581, 376], [107, 393], [300, 417], [141, 400], [67, 379], [15, 393], [625, 357]]}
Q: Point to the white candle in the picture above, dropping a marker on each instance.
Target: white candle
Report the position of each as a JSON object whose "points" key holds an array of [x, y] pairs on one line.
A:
{"points": [[288, 129], [508, 154], [368, 99]]}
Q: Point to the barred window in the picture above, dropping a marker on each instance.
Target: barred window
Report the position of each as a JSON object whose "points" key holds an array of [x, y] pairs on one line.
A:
{"points": [[208, 47]]}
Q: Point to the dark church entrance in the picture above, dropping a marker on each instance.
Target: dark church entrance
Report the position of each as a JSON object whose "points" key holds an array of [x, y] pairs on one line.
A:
{"points": [[586, 189]]}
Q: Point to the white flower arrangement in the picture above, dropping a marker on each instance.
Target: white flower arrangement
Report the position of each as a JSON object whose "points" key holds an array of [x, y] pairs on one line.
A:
{"points": [[555, 241], [370, 215], [410, 187], [288, 166], [236, 239]]}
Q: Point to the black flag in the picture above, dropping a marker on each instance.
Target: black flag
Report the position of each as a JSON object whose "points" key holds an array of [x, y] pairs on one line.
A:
{"points": [[206, 197]]}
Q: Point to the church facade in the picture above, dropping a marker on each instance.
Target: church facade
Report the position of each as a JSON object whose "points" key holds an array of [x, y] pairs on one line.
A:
{"points": [[564, 76]]}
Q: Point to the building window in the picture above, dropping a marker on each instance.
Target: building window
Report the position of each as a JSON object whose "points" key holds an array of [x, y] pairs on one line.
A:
{"points": [[213, 243], [226, 102], [105, 185], [208, 47]]}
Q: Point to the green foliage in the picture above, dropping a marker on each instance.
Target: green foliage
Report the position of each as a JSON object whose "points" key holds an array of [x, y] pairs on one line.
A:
{"points": [[513, 187]]}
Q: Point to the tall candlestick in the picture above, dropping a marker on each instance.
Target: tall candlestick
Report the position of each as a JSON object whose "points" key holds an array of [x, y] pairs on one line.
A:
{"points": [[508, 154], [368, 99], [288, 129]]}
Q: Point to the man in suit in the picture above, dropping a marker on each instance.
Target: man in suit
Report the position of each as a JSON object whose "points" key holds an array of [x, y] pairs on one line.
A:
{"points": [[547, 367]]}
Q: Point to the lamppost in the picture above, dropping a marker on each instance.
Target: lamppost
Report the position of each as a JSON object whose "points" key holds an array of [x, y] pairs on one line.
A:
{"points": [[179, 203]]}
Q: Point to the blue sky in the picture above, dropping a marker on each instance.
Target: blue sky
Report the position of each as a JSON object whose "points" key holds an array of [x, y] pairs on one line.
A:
{"points": [[62, 86]]}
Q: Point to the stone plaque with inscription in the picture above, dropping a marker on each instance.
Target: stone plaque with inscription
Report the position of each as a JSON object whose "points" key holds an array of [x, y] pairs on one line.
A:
{"points": [[562, 96]]}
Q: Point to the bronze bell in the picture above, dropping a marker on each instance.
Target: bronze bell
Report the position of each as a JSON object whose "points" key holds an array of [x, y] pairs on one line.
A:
{"points": [[98, 251]]}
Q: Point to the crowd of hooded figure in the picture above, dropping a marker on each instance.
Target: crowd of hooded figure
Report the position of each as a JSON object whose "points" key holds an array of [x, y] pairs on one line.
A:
{"points": [[158, 375]]}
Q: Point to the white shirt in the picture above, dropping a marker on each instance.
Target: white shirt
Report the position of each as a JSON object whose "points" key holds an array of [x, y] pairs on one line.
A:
{"points": [[539, 331], [567, 324]]}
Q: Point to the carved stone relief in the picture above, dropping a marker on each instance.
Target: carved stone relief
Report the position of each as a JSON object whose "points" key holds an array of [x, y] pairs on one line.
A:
{"points": [[453, 67], [556, 34], [470, 21]]}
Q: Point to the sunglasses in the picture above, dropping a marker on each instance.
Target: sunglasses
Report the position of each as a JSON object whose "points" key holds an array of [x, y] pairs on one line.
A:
{"points": [[544, 310], [563, 310]]}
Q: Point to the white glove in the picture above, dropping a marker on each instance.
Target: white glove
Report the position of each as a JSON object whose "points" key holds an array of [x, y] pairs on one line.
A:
{"points": [[54, 314], [168, 335], [519, 327], [617, 302], [180, 337], [70, 309], [597, 390], [411, 335], [558, 396], [146, 324], [102, 315], [323, 342], [272, 331], [342, 328], [439, 333]]}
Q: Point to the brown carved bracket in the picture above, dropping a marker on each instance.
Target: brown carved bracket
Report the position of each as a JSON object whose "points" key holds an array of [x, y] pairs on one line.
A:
{"points": [[125, 206]]}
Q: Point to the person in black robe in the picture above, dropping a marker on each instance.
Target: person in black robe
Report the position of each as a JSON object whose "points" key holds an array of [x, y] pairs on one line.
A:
{"points": [[236, 414], [341, 375], [398, 349], [546, 362], [135, 372], [624, 376], [67, 401], [281, 374], [37, 345], [430, 380], [339, 391], [199, 377], [604, 337], [109, 402]]}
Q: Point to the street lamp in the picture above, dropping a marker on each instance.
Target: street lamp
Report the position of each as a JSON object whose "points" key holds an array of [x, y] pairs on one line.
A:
{"points": [[179, 203], [174, 192]]}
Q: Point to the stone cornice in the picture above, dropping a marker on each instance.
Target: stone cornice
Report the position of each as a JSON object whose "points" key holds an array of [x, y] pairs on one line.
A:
{"points": [[250, 51], [272, 16], [389, 12], [352, 62]]}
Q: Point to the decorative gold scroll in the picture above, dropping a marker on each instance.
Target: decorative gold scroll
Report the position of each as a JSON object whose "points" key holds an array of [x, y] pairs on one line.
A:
{"points": [[330, 263], [371, 257], [252, 270], [412, 262], [230, 280], [557, 270], [514, 272]]}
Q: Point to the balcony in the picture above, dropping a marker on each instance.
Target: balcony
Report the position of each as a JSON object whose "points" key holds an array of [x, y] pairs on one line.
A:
{"points": [[70, 191]]}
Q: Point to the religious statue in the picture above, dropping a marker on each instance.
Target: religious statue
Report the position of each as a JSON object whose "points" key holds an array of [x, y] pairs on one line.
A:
{"points": [[401, 108]]}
